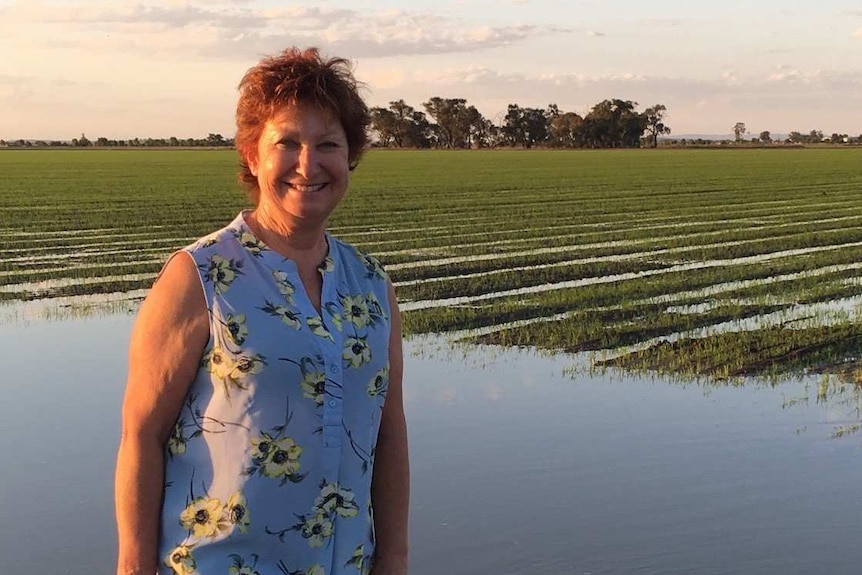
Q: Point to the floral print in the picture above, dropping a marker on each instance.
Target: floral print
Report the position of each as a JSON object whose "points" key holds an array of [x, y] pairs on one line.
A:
{"points": [[234, 328], [356, 310], [318, 329], [284, 285], [203, 517], [360, 560], [287, 316], [356, 352], [232, 371], [333, 499], [254, 246], [378, 383], [222, 272], [268, 465], [181, 560], [237, 512]]}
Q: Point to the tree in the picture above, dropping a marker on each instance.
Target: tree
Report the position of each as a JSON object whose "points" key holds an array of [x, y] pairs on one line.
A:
{"points": [[565, 130], [655, 125], [411, 126], [401, 125], [613, 124], [215, 140], [457, 123], [765, 136], [738, 131], [526, 126], [383, 124]]}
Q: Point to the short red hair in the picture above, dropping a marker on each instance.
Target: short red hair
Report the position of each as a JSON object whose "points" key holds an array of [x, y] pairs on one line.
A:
{"points": [[298, 78]]}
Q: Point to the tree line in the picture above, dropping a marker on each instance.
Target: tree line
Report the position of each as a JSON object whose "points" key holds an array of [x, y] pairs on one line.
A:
{"points": [[451, 123], [211, 141], [454, 124]]}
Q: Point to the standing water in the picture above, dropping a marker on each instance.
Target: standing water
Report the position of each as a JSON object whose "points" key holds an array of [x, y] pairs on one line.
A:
{"points": [[517, 465]]}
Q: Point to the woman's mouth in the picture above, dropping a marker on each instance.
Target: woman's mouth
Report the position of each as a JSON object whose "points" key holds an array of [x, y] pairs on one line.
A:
{"points": [[306, 188]]}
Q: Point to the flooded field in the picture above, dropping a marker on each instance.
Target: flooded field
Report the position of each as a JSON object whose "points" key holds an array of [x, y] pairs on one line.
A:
{"points": [[641, 256], [618, 362]]}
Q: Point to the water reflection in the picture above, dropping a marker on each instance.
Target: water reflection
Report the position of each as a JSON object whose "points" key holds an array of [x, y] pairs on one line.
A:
{"points": [[518, 466]]}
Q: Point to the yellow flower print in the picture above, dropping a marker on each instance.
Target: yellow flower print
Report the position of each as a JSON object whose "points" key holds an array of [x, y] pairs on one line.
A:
{"points": [[234, 328], [313, 384], [244, 366], [355, 310], [287, 316], [360, 560], [181, 560], [316, 528], [222, 272], [240, 566], [218, 362], [232, 371], [372, 266], [283, 458], [315, 569], [375, 310], [378, 383], [318, 329], [177, 443], [236, 512], [285, 287], [203, 517], [334, 315], [261, 446], [327, 265], [334, 499], [254, 246], [356, 352]]}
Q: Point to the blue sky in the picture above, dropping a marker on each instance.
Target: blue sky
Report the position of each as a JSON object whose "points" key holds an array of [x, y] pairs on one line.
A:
{"points": [[156, 68]]}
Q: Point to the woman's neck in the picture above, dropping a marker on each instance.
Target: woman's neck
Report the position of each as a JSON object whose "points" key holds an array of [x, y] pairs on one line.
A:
{"points": [[306, 246]]}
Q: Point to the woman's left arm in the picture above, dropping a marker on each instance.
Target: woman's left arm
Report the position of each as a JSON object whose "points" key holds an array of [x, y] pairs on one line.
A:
{"points": [[390, 485]]}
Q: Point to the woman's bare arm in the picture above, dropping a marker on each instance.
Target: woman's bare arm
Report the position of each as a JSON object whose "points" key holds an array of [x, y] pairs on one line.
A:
{"points": [[390, 486], [168, 341]]}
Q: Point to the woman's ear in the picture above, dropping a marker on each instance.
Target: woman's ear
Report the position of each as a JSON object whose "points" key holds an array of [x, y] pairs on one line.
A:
{"points": [[251, 162]]}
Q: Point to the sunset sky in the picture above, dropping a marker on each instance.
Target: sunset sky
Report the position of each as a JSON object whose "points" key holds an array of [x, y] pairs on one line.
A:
{"points": [[123, 69]]}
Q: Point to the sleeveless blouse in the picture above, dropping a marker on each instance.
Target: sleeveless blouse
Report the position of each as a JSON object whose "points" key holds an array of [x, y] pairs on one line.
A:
{"points": [[268, 468]]}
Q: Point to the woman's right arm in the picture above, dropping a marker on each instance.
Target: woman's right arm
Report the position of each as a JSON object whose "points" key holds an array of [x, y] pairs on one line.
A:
{"points": [[168, 341]]}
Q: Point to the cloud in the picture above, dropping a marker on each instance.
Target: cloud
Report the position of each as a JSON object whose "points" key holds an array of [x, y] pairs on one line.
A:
{"points": [[241, 30], [828, 80], [595, 34], [858, 33]]}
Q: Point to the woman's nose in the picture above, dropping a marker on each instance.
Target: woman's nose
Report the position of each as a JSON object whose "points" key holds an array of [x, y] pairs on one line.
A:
{"points": [[306, 163]]}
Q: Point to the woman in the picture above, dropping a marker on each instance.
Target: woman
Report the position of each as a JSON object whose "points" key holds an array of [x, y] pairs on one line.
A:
{"points": [[263, 428]]}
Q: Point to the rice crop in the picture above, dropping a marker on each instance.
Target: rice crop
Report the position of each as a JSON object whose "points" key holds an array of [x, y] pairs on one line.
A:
{"points": [[690, 262]]}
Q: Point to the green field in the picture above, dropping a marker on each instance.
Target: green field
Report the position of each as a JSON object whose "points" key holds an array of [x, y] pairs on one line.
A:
{"points": [[716, 263]]}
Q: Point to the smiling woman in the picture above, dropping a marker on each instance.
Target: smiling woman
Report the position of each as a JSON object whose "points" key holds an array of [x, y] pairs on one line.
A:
{"points": [[263, 426]]}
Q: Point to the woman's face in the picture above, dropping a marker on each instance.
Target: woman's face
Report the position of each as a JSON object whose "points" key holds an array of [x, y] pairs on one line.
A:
{"points": [[301, 166]]}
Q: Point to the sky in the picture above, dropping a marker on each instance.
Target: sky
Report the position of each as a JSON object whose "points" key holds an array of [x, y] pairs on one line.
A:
{"points": [[160, 68]]}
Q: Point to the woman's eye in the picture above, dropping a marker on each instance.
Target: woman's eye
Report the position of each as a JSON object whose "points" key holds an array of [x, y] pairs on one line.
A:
{"points": [[330, 145], [287, 145]]}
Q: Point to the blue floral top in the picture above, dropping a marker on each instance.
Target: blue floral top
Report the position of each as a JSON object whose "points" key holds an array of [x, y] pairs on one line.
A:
{"points": [[268, 468]]}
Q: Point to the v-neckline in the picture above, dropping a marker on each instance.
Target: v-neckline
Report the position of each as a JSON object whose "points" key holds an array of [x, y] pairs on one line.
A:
{"points": [[278, 262]]}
